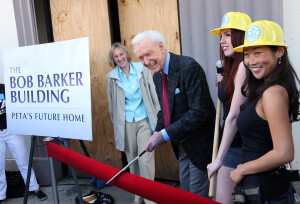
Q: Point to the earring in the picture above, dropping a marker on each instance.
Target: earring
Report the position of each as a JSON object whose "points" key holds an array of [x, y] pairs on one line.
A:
{"points": [[279, 62]]}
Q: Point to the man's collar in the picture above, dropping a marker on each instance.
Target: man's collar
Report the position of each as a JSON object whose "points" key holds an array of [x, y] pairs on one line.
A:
{"points": [[166, 67]]}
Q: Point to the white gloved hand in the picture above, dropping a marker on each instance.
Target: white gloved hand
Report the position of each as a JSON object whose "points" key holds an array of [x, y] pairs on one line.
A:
{"points": [[213, 167]]}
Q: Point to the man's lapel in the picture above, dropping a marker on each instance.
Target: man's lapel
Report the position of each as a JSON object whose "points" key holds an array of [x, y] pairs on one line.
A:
{"points": [[173, 83]]}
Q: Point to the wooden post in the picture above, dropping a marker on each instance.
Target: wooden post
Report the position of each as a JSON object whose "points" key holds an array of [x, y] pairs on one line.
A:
{"points": [[212, 183]]}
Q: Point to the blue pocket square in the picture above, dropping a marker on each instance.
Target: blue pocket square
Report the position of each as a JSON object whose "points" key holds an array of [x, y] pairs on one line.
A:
{"points": [[177, 91]]}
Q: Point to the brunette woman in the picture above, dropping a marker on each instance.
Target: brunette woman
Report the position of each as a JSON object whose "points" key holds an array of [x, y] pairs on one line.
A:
{"points": [[265, 122], [231, 33]]}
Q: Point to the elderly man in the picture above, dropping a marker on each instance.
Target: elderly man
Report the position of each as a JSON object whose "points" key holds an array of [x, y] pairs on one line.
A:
{"points": [[188, 113]]}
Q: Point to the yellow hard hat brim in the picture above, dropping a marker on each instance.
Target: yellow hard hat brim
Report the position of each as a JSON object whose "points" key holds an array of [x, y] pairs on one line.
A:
{"points": [[216, 31], [241, 48]]}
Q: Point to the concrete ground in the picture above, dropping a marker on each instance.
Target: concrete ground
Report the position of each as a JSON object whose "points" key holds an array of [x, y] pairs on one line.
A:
{"points": [[67, 192]]}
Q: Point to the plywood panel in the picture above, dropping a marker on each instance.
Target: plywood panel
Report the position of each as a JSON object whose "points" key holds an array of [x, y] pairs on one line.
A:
{"points": [[80, 18], [162, 15]]}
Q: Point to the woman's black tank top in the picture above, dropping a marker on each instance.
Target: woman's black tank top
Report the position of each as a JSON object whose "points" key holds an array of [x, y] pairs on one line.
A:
{"points": [[257, 141], [237, 141], [256, 133]]}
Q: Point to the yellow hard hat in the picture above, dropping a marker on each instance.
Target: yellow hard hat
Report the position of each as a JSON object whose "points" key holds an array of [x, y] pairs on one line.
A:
{"points": [[236, 20], [262, 33]]}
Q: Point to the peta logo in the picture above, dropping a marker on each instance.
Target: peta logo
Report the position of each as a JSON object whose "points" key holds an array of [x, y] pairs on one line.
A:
{"points": [[253, 33], [225, 21]]}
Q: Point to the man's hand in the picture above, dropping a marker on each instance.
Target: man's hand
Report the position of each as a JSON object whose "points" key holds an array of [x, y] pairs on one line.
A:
{"points": [[155, 141], [213, 168]]}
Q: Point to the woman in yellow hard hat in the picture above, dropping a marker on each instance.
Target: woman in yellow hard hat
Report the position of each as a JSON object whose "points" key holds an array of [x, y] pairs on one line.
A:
{"points": [[232, 31], [265, 121]]}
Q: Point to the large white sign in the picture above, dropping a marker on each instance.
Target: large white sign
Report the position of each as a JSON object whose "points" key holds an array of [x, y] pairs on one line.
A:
{"points": [[47, 89]]}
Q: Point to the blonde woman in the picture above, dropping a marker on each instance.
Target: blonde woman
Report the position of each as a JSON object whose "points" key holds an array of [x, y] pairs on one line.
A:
{"points": [[133, 107]]}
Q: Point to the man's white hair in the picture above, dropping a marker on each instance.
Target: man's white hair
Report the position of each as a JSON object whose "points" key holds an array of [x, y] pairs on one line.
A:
{"points": [[153, 34]]}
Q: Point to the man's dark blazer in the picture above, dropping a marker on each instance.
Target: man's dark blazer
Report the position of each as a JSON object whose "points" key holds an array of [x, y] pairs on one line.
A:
{"points": [[192, 111]]}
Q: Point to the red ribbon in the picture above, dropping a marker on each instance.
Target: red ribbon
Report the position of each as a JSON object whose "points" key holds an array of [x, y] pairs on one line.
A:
{"points": [[151, 190]]}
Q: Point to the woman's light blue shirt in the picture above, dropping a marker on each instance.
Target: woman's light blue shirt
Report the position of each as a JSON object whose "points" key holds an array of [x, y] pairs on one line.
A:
{"points": [[134, 104]]}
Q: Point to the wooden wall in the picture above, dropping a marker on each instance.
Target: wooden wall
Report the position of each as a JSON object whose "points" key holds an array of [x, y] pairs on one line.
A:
{"points": [[79, 18], [161, 15]]}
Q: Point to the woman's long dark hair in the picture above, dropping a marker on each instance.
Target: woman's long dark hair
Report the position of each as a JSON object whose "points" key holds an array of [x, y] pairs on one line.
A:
{"points": [[284, 75], [231, 64]]}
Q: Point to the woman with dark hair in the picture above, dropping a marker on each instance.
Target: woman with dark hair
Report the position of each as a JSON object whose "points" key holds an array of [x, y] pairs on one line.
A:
{"points": [[265, 121], [231, 33], [133, 107]]}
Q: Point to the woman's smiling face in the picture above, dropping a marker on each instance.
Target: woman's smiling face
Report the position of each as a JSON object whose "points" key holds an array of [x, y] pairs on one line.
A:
{"points": [[120, 57], [225, 42], [261, 60]]}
